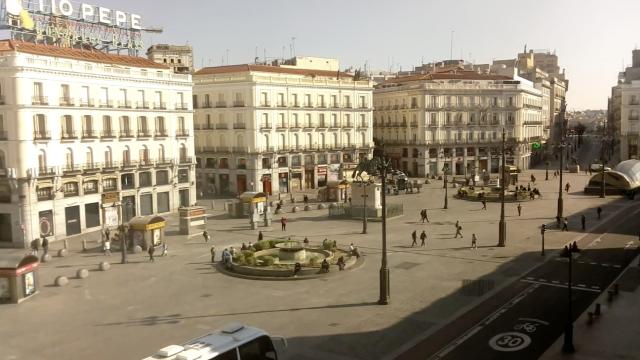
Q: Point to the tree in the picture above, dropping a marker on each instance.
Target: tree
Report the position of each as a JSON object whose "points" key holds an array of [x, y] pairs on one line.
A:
{"points": [[580, 130]]}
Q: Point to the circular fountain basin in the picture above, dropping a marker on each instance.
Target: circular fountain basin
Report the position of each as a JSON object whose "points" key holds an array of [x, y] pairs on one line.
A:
{"points": [[291, 251]]}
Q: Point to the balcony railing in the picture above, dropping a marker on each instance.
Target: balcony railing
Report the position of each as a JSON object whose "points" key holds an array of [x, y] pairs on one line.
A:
{"points": [[46, 194], [46, 171], [348, 106], [238, 103], [108, 134], [110, 166], [65, 101], [160, 133], [126, 134], [222, 126], [71, 168], [282, 105], [240, 149], [92, 167], [146, 163], [129, 164], [144, 133], [182, 106], [124, 104], [87, 103], [185, 160], [239, 126], [105, 103], [206, 105], [142, 105], [89, 134], [265, 126], [182, 133], [71, 192], [164, 162], [160, 106], [296, 104], [68, 135], [221, 104], [39, 100]]}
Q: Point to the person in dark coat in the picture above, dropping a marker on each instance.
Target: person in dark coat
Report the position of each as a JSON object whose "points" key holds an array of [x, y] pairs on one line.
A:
{"points": [[151, 251], [260, 236], [414, 238]]}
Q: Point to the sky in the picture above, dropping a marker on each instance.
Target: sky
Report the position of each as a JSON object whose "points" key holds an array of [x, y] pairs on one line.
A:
{"points": [[593, 39]]}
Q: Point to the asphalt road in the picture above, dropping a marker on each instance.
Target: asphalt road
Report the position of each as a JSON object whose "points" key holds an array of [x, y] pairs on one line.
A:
{"points": [[522, 320]]}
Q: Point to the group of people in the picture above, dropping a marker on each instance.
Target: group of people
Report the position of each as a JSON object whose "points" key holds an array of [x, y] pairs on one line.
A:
{"points": [[36, 243]]}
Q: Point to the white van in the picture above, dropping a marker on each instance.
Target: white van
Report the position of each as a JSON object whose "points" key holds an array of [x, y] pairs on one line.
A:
{"points": [[233, 342]]}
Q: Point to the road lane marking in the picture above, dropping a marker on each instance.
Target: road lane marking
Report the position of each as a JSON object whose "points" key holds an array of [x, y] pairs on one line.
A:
{"points": [[534, 320], [560, 286]]}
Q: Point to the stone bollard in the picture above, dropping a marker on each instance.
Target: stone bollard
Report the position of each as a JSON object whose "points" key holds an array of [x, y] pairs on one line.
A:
{"points": [[597, 310], [307, 208], [84, 245], [137, 249], [104, 266], [45, 258], [62, 252], [61, 281], [294, 209], [82, 273]]}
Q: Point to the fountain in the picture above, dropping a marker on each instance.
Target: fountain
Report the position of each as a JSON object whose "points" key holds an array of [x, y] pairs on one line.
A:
{"points": [[291, 251]]}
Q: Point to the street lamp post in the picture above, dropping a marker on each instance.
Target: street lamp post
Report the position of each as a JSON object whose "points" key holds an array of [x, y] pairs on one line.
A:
{"points": [[568, 347], [445, 169], [502, 226], [384, 269], [364, 208], [543, 229], [546, 170], [123, 230], [562, 145]]}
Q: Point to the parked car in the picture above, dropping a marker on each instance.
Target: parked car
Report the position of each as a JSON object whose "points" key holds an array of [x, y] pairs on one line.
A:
{"points": [[596, 167]]}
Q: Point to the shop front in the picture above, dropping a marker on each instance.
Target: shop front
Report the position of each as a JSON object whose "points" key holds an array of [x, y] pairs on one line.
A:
{"points": [[309, 178], [322, 176], [18, 278], [266, 184], [241, 182], [283, 182], [72, 220], [296, 179]]}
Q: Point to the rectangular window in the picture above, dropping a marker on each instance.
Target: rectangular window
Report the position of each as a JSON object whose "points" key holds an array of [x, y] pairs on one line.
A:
{"points": [[127, 181], [92, 215], [104, 97], [162, 177], [163, 202], [146, 204], [144, 179], [183, 176]]}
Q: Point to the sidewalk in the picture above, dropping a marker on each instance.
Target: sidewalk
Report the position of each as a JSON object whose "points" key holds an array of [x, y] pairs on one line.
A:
{"points": [[615, 334]]}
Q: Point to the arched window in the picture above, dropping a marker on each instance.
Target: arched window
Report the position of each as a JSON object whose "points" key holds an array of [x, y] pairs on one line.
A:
{"points": [[144, 154], [309, 140], [282, 142], [183, 153], [42, 161], [322, 141], [335, 139], [296, 141], [363, 136], [223, 140], [266, 141], [161, 153], [69, 159], [240, 140], [348, 139], [88, 157], [108, 157], [126, 156]]}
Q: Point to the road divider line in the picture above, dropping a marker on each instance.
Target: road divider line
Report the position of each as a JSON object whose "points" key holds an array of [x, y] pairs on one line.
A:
{"points": [[578, 287]]}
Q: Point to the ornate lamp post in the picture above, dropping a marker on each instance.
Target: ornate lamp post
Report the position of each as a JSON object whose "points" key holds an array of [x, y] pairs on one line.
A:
{"points": [[546, 170], [568, 347], [445, 169], [562, 145], [502, 225], [123, 230]]}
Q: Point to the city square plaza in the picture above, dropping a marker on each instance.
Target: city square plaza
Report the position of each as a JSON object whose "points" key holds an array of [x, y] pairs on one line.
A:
{"points": [[133, 310]]}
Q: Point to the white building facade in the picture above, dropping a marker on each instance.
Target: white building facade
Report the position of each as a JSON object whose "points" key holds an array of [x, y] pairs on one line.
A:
{"points": [[455, 117], [278, 129], [89, 139]]}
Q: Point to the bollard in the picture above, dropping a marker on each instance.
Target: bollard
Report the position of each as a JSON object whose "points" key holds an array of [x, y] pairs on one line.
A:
{"points": [[590, 319], [597, 311], [82, 273], [62, 252], [104, 266], [45, 258], [615, 289], [61, 281], [84, 245]]}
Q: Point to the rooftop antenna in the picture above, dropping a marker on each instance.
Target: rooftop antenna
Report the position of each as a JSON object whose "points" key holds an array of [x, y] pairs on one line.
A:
{"points": [[451, 46], [293, 45], [227, 56], [256, 55]]}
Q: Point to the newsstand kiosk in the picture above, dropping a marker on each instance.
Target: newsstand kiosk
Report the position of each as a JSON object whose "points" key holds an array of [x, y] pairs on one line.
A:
{"points": [[18, 278]]}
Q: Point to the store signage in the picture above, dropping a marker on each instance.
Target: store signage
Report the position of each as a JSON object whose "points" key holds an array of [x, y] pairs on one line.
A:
{"points": [[69, 23], [110, 197]]}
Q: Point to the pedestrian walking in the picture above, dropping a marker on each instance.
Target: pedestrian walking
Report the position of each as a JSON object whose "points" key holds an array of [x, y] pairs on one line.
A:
{"points": [[283, 222], [414, 238], [106, 247], [151, 251], [423, 238], [583, 221], [567, 187], [165, 249], [206, 236], [599, 211], [565, 225], [35, 246], [260, 236], [107, 234], [213, 253], [457, 224], [423, 215], [484, 204], [45, 245], [474, 241], [519, 209], [533, 179], [458, 232]]}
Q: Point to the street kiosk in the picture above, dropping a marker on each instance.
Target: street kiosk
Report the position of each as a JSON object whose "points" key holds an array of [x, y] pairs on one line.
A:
{"points": [[18, 277], [147, 230]]}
